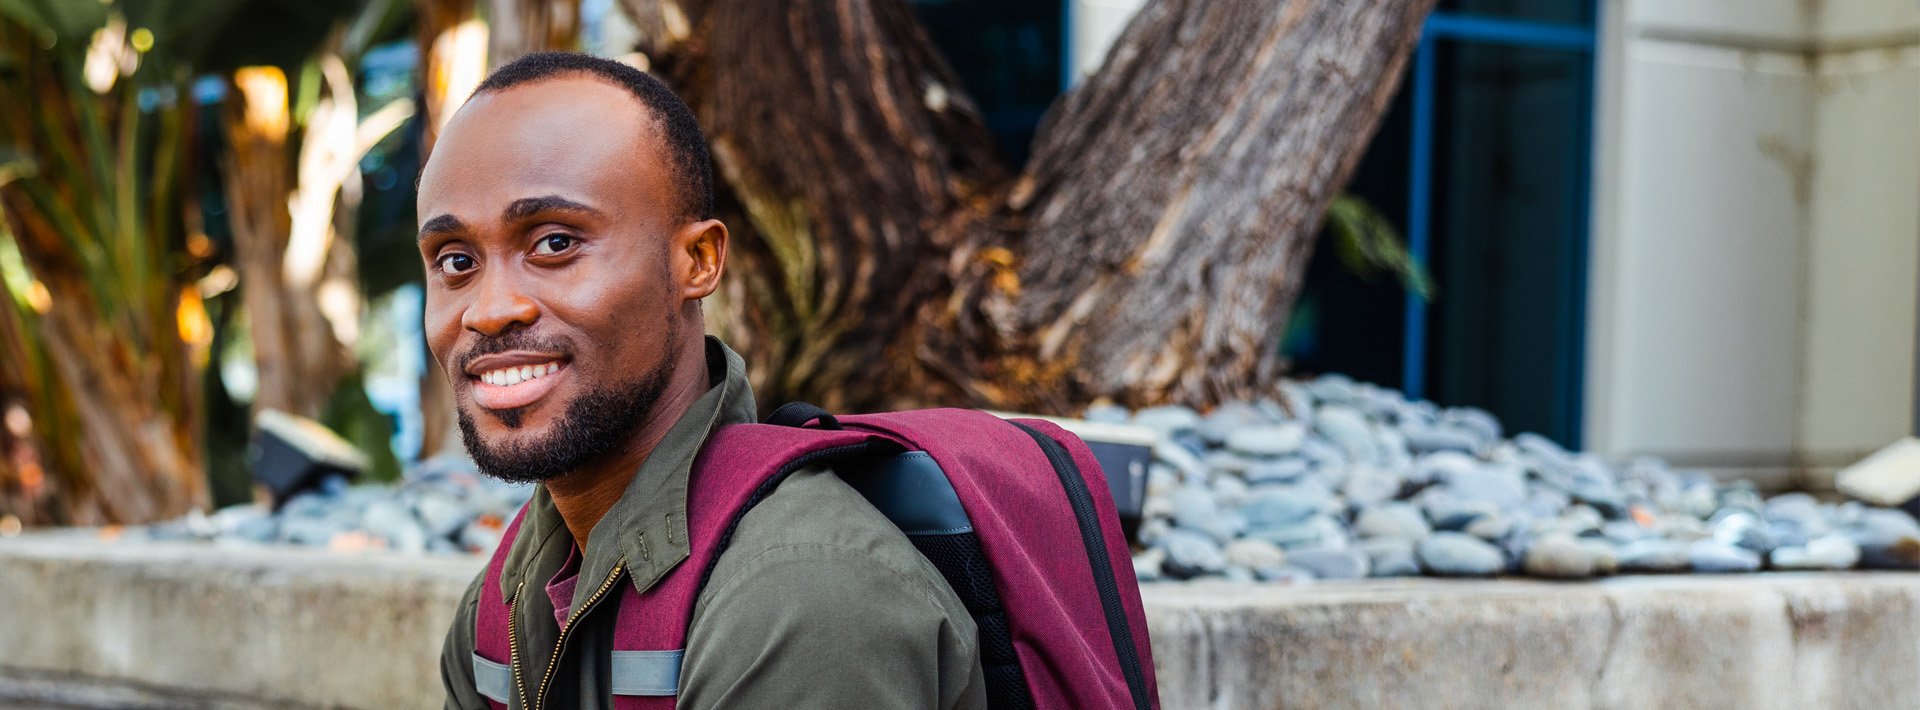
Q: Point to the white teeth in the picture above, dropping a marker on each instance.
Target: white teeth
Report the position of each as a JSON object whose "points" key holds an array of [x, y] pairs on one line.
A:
{"points": [[508, 377]]}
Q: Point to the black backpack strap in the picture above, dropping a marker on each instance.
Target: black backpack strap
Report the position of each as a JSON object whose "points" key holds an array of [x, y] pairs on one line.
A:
{"points": [[798, 414]]}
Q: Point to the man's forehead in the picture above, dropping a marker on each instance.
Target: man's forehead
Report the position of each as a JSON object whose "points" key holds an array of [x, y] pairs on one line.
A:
{"points": [[549, 113], [563, 134]]}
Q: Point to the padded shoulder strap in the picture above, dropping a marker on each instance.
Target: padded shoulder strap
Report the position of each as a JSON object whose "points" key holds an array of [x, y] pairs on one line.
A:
{"points": [[739, 466], [492, 649]]}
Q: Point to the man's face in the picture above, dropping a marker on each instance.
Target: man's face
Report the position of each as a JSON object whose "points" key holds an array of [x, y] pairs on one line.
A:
{"points": [[548, 213]]}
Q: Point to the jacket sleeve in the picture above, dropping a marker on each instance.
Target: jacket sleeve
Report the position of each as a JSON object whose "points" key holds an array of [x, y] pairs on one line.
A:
{"points": [[819, 626], [456, 654]]}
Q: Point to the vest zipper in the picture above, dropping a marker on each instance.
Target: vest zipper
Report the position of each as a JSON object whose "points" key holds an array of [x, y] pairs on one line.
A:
{"points": [[553, 662], [513, 643]]}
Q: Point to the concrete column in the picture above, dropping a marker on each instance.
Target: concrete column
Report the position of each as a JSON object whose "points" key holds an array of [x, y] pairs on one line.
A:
{"points": [[1756, 238]]}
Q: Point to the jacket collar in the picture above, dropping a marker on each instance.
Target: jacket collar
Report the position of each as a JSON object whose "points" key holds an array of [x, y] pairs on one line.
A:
{"points": [[648, 526]]}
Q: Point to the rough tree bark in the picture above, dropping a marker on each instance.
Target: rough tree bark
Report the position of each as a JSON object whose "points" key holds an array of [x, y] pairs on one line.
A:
{"points": [[1149, 252], [299, 359]]}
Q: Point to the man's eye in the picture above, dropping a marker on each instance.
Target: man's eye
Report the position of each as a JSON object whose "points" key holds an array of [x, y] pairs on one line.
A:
{"points": [[452, 264], [552, 244]]}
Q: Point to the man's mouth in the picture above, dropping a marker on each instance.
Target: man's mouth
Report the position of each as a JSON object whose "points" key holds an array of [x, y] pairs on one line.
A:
{"points": [[514, 380], [511, 376]]}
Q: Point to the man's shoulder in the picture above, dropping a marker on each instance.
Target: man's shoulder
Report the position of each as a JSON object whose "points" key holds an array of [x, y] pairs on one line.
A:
{"points": [[820, 530], [821, 601]]}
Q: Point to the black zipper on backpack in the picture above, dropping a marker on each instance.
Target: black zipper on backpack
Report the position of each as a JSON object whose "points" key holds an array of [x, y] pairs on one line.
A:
{"points": [[1096, 544]]}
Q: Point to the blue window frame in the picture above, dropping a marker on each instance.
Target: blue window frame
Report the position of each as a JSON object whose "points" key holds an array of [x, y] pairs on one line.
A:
{"points": [[1542, 293], [1482, 160]]}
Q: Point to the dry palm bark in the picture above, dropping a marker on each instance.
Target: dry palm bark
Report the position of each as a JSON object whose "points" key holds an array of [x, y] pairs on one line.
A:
{"points": [[1149, 252], [26, 452], [92, 208], [299, 359]]}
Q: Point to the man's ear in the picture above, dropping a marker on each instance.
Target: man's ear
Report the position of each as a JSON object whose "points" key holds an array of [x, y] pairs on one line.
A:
{"points": [[700, 256]]}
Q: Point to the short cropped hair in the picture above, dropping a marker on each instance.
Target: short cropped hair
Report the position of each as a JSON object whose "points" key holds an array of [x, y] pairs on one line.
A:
{"points": [[692, 165]]}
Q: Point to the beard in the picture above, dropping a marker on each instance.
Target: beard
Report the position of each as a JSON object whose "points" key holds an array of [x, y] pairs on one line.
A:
{"points": [[593, 426]]}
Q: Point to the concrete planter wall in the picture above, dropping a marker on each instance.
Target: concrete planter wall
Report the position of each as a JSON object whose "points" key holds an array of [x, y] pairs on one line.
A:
{"points": [[163, 624]]}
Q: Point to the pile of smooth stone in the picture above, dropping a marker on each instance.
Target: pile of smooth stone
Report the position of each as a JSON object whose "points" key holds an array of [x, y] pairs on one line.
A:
{"points": [[1342, 480], [1332, 479], [443, 506]]}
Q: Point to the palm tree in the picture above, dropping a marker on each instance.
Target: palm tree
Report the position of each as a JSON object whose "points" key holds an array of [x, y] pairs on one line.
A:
{"points": [[105, 326]]}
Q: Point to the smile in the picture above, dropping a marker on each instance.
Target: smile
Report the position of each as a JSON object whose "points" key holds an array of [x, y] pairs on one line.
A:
{"points": [[515, 380], [510, 376]]}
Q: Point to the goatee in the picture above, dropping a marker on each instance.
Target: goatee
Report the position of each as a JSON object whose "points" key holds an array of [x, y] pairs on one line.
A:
{"points": [[593, 426]]}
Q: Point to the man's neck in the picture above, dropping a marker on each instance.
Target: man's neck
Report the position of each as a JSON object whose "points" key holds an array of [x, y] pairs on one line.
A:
{"points": [[584, 496]]}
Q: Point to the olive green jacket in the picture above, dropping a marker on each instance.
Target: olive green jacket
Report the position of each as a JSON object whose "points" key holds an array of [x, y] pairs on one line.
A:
{"points": [[820, 602]]}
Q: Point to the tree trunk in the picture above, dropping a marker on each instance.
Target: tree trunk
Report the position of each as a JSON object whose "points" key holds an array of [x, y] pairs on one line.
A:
{"points": [[453, 59], [519, 27], [1149, 252], [855, 164], [295, 347], [26, 452], [137, 455]]}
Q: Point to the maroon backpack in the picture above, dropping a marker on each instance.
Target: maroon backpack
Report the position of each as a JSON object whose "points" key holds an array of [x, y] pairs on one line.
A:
{"points": [[1016, 514]]}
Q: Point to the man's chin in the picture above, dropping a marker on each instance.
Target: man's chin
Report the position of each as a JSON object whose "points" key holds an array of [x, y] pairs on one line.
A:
{"points": [[509, 420], [512, 445], [554, 436]]}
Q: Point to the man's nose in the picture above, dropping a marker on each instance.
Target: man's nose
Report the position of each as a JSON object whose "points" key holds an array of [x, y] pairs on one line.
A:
{"points": [[498, 306]]}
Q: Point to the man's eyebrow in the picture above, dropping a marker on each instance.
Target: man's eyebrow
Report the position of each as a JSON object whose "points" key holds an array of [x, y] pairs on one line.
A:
{"points": [[442, 224], [529, 206]]}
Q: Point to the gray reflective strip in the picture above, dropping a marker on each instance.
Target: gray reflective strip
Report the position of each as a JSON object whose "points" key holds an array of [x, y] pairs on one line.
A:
{"points": [[653, 673], [492, 679]]}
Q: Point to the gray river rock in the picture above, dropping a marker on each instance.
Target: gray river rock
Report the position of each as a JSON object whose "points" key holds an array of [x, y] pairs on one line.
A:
{"points": [[1561, 557], [1337, 475], [1449, 554]]}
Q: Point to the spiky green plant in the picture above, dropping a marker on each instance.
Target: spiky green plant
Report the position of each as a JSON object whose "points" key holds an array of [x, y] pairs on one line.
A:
{"points": [[91, 109]]}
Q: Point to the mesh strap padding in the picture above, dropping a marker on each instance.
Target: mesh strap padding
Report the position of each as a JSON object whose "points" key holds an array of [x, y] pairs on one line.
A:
{"points": [[960, 559]]}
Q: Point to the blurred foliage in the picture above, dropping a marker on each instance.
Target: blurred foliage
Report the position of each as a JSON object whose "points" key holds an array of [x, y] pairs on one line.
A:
{"points": [[111, 333], [1367, 244], [104, 337]]}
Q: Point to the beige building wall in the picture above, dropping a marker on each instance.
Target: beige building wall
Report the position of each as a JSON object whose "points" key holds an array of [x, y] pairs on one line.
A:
{"points": [[1756, 241]]}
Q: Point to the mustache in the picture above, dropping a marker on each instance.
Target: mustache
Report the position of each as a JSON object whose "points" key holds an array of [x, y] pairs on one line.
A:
{"points": [[507, 342]]}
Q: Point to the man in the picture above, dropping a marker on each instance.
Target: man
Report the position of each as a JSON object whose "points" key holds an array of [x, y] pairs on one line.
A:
{"points": [[568, 235]]}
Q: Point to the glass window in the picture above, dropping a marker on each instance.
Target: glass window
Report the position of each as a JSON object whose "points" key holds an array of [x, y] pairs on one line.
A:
{"points": [[1508, 234]]}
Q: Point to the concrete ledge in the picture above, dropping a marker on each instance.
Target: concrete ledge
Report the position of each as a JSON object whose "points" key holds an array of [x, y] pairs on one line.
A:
{"points": [[276, 627], [1751, 641], [137, 624]]}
